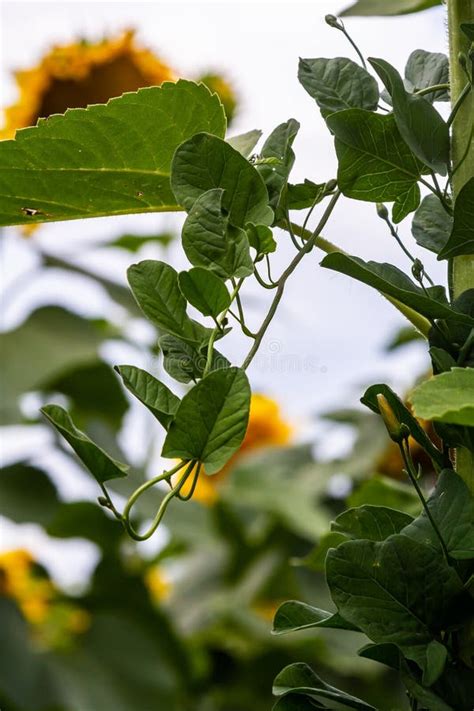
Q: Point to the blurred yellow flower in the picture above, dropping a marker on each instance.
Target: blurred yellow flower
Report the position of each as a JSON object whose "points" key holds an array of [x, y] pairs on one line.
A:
{"points": [[158, 587], [266, 428], [82, 73], [23, 581]]}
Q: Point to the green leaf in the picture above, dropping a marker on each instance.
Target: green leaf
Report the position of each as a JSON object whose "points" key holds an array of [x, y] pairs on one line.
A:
{"points": [[184, 362], [392, 281], [375, 163], [101, 466], [396, 591], [205, 291], [425, 69], [293, 616], [372, 523], [210, 242], [431, 224], [27, 494], [436, 658], [447, 397], [387, 654], [50, 344], [261, 239], [107, 159], [425, 696], [278, 145], [294, 702], [156, 289], [206, 162], [158, 398], [303, 195], [244, 143], [211, 420], [382, 491], [452, 508], [420, 125], [404, 416], [389, 7], [461, 239], [406, 203], [337, 84], [300, 678]]}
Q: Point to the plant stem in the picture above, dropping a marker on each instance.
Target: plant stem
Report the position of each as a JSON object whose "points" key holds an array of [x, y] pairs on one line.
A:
{"points": [[308, 246], [218, 328], [460, 11], [431, 89], [410, 469]]}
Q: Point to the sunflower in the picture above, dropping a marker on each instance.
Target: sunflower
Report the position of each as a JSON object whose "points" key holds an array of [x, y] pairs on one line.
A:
{"points": [[266, 428], [82, 73]]}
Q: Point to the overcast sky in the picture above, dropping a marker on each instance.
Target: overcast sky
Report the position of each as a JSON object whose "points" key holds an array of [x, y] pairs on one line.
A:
{"points": [[329, 329]]}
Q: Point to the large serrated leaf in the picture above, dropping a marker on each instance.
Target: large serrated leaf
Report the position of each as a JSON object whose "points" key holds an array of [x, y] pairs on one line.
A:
{"points": [[211, 420], [107, 159], [447, 397]]}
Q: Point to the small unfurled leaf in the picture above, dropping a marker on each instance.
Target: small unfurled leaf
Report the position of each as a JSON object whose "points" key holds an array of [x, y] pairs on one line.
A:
{"points": [[302, 195], [396, 591], [104, 160], [387, 654], [300, 678], [210, 242], [390, 280], [461, 239], [156, 289], [261, 239], [186, 363], [405, 203], [420, 125], [404, 416], [371, 523], [389, 7], [278, 145], [293, 616], [206, 162], [101, 466], [375, 163], [245, 142], [205, 291], [431, 224], [425, 69], [337, 84], [436, 658], [158, 398], [211, 420], [451, 506], [447, 397]]}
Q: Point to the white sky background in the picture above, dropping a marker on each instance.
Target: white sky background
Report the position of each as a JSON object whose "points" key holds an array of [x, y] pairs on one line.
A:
{"points": [[336, 325]]}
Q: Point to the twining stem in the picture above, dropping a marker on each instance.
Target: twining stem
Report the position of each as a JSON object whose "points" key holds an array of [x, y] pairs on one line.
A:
{"points": [[419, 322], [164, 504], [413, 474], [432, 89], [462, 153], [218, 328], [308, 246]]}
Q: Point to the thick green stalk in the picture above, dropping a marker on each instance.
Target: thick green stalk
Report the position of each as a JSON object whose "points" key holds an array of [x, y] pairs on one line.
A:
{"points": [[460, 11]]}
